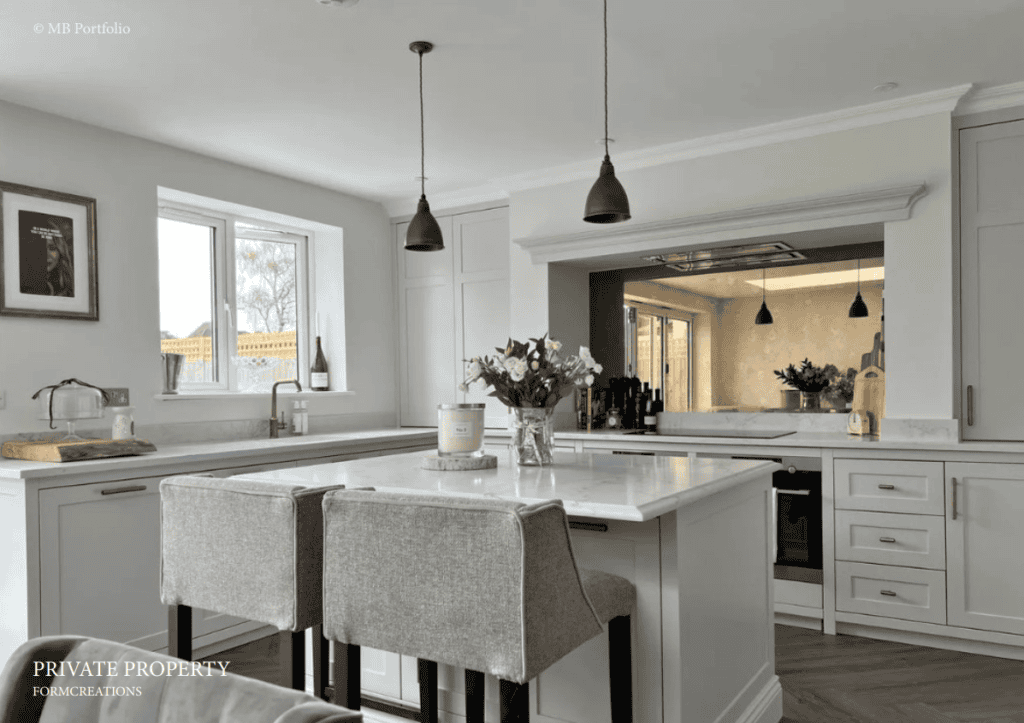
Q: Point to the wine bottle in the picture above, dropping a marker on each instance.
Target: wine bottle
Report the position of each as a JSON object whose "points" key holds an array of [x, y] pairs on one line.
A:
{"points": [[318, 379]]}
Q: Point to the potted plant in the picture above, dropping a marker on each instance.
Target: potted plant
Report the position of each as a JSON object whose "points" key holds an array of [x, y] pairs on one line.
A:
{"points": [[809, 380], [840, 387]]}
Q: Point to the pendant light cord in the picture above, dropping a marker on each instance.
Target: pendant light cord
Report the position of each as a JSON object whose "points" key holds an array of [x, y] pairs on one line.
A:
{"points": [[858, 277], [762, 287], [606, 78], [423, 174]]}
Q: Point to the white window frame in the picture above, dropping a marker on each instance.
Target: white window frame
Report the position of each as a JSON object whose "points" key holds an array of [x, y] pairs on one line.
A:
{"points": [[662, 313], [224, 307]]}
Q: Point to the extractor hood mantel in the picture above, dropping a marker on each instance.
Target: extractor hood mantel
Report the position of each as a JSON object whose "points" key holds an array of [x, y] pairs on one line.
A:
{"points": [[632, 241]]}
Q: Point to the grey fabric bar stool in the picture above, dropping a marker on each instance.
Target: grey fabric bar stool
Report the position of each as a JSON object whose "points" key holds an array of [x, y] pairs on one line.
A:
{"points": [[249, 549], [487, 585]]}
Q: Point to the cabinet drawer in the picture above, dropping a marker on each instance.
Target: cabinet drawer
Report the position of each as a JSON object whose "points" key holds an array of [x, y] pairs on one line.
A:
{"points": [[893, 592], [889, 486], [891, 539]]}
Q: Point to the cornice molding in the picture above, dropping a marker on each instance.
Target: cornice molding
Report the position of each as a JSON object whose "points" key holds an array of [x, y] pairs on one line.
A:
{"points": [[808, 214], [998, 97], [944, 100]]}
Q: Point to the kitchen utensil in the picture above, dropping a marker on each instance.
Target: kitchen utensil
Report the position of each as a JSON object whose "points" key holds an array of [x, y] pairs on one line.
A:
{"points": [[172, 364], [868, 399]]}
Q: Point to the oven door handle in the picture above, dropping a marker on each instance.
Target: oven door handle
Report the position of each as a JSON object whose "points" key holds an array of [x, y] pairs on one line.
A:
{"points": [[803, 493]]}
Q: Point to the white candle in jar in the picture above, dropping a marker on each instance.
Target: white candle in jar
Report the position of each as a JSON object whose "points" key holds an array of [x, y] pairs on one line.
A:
{"points": [[460, 430]]}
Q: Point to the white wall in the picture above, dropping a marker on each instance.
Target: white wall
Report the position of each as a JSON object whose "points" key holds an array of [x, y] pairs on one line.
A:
{"points": [[122, 349], [919, 252]]}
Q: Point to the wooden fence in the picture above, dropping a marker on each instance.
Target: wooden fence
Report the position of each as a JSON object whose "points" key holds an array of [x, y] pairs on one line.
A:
{"points": [[273, 345]]}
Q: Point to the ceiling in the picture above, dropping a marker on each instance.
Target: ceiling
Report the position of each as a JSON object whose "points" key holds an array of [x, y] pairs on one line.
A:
{"points": [[328, 95], [735, 284]]}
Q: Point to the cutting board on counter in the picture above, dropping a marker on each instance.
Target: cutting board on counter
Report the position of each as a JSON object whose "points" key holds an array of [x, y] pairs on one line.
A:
{"points": [[869, 392], [73, 450]]}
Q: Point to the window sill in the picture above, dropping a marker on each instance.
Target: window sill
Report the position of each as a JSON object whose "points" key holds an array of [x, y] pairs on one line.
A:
{"points": [[282, 393]]}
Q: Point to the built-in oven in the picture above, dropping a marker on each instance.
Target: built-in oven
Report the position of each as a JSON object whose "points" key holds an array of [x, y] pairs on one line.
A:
{"points": [[796, 498]]}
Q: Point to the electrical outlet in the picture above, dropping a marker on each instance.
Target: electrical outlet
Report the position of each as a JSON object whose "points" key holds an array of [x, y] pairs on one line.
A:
{"points": [[117, 397]]}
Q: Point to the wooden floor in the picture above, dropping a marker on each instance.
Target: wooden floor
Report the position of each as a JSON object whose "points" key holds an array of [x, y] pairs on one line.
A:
{"points": [[833, 679]]}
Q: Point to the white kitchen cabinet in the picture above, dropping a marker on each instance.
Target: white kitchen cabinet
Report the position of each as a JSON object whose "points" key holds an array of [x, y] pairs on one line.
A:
{"points": [[453, 305], [985, 546], [991, 257]]}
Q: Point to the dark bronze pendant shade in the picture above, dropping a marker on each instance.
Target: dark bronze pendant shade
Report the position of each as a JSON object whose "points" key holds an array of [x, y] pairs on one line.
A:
{"points": [[763, 316], [858, 309], [606, 202], [423, 233]]}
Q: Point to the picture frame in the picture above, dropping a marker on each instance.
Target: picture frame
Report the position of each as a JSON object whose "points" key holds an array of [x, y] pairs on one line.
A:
{"points": [[48, 266]]}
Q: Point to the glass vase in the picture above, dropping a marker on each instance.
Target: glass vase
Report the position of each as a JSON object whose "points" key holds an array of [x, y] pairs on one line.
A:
{"points": [[810, 401], [532, 435]]}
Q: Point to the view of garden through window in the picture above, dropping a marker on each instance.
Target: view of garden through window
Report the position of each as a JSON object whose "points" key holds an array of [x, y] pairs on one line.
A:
{"points": [[261, 313]]}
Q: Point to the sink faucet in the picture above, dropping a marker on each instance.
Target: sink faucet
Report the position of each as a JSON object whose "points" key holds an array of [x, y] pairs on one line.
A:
{"points": [[273, 405]]}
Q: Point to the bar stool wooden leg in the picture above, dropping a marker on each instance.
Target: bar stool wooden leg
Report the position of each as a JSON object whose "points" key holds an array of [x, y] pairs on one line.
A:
{"points": [[426, 671], [179, 631], [347, 683], [515, 701], [321, 662], [293, 658], [474, 696], [620, 669]]}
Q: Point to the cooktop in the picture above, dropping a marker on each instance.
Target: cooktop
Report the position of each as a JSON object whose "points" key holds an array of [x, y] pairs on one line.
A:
{"points": [[740, 433]]}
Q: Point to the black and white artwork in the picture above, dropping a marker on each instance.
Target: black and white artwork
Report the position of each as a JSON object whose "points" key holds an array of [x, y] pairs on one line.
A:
{"points": [[47, 254]]}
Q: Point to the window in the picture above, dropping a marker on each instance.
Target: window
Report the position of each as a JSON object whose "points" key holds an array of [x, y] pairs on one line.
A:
{"points": [[658, 351], [234, 299]]}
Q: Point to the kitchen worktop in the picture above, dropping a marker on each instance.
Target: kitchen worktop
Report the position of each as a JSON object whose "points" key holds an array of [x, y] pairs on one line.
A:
{"points": [[590, 485], [240, 450]]}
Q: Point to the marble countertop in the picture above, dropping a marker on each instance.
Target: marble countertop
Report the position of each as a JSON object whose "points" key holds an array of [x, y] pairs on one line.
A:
{"points": [[602, 486], [213, 452]]}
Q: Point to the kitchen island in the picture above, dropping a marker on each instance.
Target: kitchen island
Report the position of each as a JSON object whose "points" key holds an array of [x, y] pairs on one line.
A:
{"points": [[694, 536]]}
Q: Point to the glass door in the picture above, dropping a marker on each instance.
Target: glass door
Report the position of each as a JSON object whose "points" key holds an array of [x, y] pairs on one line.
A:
{"points": [[658, 352]]}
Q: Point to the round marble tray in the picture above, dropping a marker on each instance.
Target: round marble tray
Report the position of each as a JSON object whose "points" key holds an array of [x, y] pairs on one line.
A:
{"points": [[434, 461]]}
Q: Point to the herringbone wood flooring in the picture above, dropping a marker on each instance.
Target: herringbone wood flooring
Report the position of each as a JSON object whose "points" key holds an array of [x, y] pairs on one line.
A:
{"points": [[847, 679], [832, 679]]}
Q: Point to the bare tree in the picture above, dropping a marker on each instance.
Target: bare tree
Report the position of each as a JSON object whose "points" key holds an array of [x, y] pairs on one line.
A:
{"points": [[265, 273]]}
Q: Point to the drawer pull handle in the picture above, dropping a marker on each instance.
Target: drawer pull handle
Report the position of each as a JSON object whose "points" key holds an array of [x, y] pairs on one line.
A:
{"points": [[888, 593], [886, 487], [887, 539], [802, 493], [122, 490], [970, 405], [590, 526], [954, 497]]}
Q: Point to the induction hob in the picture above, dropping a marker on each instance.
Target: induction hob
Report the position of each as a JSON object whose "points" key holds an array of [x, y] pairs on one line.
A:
{"points": [[738, 433]]}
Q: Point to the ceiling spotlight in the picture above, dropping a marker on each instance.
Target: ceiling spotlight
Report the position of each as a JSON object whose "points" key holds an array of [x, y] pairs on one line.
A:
{"points": [[885, 87], [337, 3]]}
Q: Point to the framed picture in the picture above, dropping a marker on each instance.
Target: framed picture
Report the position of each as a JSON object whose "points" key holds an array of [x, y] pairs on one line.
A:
{"points": [[47, 254]]}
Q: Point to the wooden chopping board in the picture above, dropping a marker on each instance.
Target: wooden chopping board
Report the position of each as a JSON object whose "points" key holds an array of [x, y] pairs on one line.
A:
{"points": [[869, 392], [73, 450]]}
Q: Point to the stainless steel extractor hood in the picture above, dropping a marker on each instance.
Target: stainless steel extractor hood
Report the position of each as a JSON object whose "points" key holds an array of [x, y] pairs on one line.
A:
{"points": [[728, 257]]}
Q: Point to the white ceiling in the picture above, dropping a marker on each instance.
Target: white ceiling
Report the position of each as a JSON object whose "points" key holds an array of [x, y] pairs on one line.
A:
{"points": [[329, 95]]}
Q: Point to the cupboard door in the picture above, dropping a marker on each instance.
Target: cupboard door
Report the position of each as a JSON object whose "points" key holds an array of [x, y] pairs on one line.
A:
{"points": [[984, 540], [426, 335], [991, 256], [99, 562], [481, 278]]}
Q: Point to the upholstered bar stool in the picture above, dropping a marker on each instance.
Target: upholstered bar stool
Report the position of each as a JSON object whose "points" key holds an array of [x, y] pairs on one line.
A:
{"points": [[249, 549], [487, 585]]}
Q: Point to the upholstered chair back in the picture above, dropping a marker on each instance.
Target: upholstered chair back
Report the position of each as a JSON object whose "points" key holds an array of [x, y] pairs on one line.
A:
{"points": [[488, 585], [242, 547]]}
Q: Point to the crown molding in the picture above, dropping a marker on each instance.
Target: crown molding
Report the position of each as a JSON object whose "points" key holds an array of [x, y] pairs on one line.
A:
{"points": [[807, 214], [913, 106], [997, 97]]}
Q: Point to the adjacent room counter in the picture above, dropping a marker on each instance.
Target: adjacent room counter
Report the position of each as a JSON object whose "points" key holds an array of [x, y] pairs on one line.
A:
{"points": [[693, 534]]}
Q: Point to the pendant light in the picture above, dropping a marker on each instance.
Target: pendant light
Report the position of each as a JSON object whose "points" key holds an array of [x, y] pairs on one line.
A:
{"points": [[423, 233], [858, 309], [763, 316], [606, 202]]}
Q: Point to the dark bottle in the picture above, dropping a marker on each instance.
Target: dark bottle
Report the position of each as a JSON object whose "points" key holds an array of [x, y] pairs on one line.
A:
{"points": [[319, 381], [651, 413]]}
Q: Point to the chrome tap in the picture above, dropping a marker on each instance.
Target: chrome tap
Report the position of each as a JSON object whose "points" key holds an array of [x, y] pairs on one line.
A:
{"points": [[274, 427]]}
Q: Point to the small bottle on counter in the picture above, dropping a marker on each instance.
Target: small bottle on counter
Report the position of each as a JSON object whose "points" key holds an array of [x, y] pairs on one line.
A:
{"points": [[296, 418], [303, 405], [124, 423]]}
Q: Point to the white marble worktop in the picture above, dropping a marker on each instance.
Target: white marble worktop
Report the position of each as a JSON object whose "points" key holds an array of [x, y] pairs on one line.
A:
{"points": [[603, 486], [232, 452]]}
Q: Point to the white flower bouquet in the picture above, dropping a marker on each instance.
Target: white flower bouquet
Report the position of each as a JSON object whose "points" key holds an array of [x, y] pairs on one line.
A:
{"points": [[532, 374]]}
